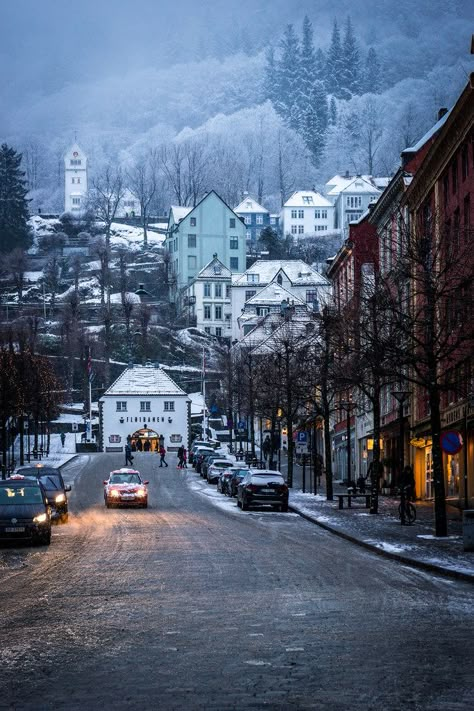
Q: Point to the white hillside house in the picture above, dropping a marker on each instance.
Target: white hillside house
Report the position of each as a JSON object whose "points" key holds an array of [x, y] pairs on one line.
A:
{"points": [[307, 213], [352, 195], [144, 405], [75, 179], [208, 299], [298, 280]]}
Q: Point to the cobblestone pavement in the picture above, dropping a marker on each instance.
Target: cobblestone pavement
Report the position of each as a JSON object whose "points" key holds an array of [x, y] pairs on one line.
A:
{"points": [[191, 605]]}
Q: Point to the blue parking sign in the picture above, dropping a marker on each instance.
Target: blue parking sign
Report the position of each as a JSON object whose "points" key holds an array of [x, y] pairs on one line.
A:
{"points": [[302, 437]]}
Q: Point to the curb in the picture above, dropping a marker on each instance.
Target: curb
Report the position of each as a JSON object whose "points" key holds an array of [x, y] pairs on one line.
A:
{"points": [[431, 567]]}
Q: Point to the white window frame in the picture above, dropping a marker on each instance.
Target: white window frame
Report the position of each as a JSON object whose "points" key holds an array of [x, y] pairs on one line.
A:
{"points": [[121, 405], [145, 405], [168, 405]]}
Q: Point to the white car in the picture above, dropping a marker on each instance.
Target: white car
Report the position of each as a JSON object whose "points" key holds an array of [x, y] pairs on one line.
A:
{"points": [[214, 470]]}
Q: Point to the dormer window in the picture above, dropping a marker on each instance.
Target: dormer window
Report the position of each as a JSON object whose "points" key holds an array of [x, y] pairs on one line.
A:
{"points": [[280, 279], [217, 269], [252, 278], [307, 200]]}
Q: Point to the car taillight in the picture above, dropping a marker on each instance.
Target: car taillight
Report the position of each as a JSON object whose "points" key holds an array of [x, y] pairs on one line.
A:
{"points": [[251, 487], [283, 487]]}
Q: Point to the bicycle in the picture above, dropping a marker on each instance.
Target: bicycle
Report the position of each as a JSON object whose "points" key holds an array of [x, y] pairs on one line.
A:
{"points": [[406, 510]]}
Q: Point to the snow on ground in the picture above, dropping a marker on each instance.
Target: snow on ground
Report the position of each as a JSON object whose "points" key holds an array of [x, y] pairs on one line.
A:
{"points": [[58, 455], [33, 277], [197, 403], [132, 237], [41, 227]]}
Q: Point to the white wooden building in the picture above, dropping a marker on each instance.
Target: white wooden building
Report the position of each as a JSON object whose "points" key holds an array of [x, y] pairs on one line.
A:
{"points": [[75, 180], [145, 407]]}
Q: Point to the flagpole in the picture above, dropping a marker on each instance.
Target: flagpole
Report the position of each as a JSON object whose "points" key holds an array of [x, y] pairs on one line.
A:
{"points": [[204, 390]]}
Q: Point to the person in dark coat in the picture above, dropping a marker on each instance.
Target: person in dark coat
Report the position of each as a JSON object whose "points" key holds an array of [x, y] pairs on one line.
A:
{"points": [[146, 446], [180, 457], [162, 456], [128, 455], [407, 481]]}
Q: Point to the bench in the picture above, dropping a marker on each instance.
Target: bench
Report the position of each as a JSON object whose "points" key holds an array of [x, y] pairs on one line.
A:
{"points": [[349, 498]]}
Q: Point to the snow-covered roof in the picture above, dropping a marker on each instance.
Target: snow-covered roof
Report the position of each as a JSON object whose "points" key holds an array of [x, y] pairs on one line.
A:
{"points": [[179, 213], [144, 380], [272, 294], [249, 205], [298, 272], [340, 183], [381, 183], [429, 134], [214, 269], [360, 184], [307, 198]]}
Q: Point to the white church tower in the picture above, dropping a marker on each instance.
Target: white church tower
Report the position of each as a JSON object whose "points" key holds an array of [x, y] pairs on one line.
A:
{"points": [[75, 179]]}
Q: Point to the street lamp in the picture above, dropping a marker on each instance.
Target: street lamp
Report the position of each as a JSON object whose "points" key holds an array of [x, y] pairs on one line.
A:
{"points": [[348, 406], [400, 396]]}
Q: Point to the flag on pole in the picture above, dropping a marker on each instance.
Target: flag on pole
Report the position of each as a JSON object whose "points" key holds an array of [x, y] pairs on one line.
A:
{"points": [[89, 366]]}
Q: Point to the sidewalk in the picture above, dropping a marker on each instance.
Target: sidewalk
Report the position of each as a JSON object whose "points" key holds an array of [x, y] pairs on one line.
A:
{"points": [[58, 455], [383, 533]]}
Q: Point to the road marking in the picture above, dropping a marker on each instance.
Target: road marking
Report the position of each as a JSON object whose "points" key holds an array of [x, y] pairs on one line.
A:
{"points": [[294, 649], [258, 663]]}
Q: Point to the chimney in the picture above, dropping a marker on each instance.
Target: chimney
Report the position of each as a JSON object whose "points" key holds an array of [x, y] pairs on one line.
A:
{"points": [[214, 256], [442, 112], [347, 174]]}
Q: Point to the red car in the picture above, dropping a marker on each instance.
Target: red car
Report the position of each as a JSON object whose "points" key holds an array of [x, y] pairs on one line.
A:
{"points": [[125, 487]]}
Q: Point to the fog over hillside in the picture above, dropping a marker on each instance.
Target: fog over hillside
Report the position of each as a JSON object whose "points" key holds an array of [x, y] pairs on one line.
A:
{"points": [[133, 76]]}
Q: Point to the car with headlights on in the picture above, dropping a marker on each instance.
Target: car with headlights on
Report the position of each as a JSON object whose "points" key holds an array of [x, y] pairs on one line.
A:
{"points": [[262, 487], [125, 487], [214, 469], [53, 483], [25, 513]]}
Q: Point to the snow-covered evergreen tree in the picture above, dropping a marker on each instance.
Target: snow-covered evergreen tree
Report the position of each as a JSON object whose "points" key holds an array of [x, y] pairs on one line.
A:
{"points": [[334, 64], [351, 79], [372, 79], [287, 103], [332, 111], [307, 63], [271, 76], [14, 232], [321, 65], [316, 121]]}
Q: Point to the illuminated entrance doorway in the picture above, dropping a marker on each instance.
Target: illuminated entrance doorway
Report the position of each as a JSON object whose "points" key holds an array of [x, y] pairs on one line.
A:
{"points": [[145, 440]]}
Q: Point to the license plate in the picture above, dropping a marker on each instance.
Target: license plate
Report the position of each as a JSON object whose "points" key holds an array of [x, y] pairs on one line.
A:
{"points": [[268, 491], [15, 529], [128, 496]]}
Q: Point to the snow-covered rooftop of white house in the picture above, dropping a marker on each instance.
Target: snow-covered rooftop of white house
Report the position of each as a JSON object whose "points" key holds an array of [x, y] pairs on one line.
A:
{"points": [[214, 270], [179, 213], [264, 271], [144, 380], [249, 205], [272, 294], [307, 198], [429, 134], [341, 183]]}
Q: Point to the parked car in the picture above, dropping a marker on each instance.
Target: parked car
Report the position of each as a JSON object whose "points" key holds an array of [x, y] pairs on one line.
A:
{"points": [[200, 456], [125, 487], [197, 443], [262, 486], [208, 460], [237, 474], [24, 510], [214, 469], [54, 486], [199, 451], [223, 481]]}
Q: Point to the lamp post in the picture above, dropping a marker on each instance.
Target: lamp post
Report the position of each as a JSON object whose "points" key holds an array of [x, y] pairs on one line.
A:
{"points": [[348, 406], [278, 419], [400, 396]]}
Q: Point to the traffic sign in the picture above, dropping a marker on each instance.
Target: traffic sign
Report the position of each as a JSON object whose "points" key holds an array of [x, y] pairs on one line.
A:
{"points": [[451, 442], [301, 448], [302, 437]]}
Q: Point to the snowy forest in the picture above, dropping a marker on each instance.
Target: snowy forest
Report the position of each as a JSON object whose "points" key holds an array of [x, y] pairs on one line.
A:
{"points": [[283, 93]]}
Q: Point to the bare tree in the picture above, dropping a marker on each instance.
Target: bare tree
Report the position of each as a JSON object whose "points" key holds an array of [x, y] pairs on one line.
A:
{"points": [[143, 183], [16, 264], [52, 280], [105, 196]]}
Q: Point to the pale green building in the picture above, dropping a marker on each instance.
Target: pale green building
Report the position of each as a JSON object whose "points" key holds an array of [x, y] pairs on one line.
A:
{"points": [[196, 235]]}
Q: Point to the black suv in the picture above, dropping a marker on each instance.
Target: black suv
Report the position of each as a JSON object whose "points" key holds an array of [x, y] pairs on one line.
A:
{"points": [[24, 511], [53, 483]]}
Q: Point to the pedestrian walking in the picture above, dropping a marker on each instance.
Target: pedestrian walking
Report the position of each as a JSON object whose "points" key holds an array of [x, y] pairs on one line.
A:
{"points": [[180, 457], [146, 446], [63, 439], [162, 456], [128, 455], [185, 458]]}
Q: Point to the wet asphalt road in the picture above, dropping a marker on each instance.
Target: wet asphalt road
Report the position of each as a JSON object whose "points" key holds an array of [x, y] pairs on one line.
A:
{"points": [[189, 606]]}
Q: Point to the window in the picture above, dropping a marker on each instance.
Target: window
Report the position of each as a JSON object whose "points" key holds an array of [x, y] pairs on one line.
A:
{"points": [[192, 221], [234, 242], [294, 214], [227, 291], [217, 269], [320, 228], [324, 214], [301, 214], [272, 220], [207, 330], [252, 278], [248, 220], [76, 201], [192, 262], [76, 161], [294, 229], [307, 199], [279, 279], [249, 294], [248, 234], [145, 406], [207, 312], [234, 264], [232, 222], [207, 290], [259, 219], [218, 331], [317, 214], [218, 291], [169, 405], [218, 313], [191, 241], [262, 310], [311, 296], [300, 229], [121, 406]]}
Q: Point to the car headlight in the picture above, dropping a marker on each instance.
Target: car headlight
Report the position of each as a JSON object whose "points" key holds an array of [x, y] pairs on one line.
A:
{"points": [[60, 498], [141, 492], [40, 518], [114, 492]]}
